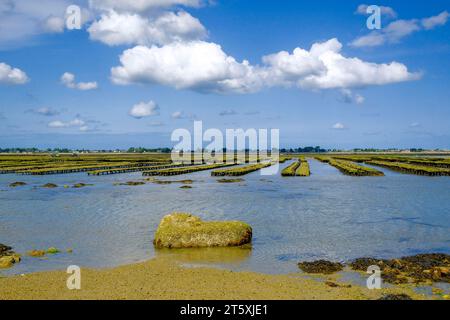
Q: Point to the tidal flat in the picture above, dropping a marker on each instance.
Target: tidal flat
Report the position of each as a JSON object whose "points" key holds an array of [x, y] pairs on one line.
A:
{"points": [[327, 215]]}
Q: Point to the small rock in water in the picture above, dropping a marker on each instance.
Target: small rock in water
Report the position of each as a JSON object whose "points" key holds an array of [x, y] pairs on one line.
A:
{"points": [[8, 257], [81, 185], [36, 253], [17, 184], [230, 180], [185, 187], [52, 250], [130, 183], [50, 185]]}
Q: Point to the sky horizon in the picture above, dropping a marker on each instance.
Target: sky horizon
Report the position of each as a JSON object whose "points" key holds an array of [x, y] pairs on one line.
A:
{"points": [[135, 71]]}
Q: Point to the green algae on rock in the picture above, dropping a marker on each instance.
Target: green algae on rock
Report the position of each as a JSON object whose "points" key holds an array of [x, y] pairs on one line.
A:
{"points": [[320, 266], [183, 230], [230, 180], [132, 183], [36, 253], [17, 184], [52, 250], [8, 257], [81, 185], [50, 185], [428, 267]]}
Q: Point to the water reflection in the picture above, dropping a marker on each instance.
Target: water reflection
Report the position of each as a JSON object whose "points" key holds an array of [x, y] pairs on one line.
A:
{"points": [[221, 255]]}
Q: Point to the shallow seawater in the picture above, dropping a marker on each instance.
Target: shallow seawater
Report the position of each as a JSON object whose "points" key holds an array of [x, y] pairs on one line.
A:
{"points": [[324, 216]]}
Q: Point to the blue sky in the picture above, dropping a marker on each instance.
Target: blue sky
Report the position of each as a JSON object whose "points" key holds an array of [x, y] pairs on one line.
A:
{"points": [[180, 62]]}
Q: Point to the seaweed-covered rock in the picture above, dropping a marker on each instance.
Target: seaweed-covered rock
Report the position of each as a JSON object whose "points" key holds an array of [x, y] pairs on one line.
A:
{"points": [[183, 230], [50, 185], [52, 250], [36, 253], [9, 261], [433, 267], [157, 181], [320, 266], [17, 184], [81, 185], [8, 257], [230, 180], [133, 183], [5, 250], [400, 296]]}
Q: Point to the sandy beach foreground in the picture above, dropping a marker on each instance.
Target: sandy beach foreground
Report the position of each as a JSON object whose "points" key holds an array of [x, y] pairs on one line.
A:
{"points": [[161, 278]]}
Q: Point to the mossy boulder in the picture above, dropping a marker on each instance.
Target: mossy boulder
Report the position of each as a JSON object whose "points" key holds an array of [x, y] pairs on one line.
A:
{"points": [[133, 183], [52, 250], [230, 180], [183, 230], [81, 185], [17, 184], [50, 185], [9, 261], [8, 257], [36, 253]]}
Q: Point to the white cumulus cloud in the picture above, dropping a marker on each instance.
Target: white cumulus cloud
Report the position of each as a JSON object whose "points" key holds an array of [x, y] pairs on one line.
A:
{"points": [[197, 65], [349, 97], [144, 109], [68, 79], [67, 124], [205, 67], [338, 126], [129, 28], [399, 29], [10, 75], [22, 20]]}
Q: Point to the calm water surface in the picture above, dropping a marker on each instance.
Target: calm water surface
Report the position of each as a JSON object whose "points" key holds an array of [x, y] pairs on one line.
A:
{"points": [[327, 215]]}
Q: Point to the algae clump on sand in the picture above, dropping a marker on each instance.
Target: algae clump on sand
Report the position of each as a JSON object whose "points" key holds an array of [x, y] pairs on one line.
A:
{"points": [[183, 230]]}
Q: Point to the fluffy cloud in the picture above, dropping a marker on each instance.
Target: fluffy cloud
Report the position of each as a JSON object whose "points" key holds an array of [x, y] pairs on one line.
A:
{"points": [[386, 11], [68, 79], [21, 20], [54, 24], [128, 29], [10, 75], [140, 5], [432, 22], [45, 111], [144, 109], [67, 124], [338, 126], [349, 97], [182, 115], [204, 67], [197, 65], [399, 29]]}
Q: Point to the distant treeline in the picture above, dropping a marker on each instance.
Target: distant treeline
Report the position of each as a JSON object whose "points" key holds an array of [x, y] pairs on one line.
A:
{"points": [[316, 149]]}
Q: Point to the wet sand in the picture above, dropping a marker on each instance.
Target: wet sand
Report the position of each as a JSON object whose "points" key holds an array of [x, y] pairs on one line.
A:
{"points": [[163, 279]]}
